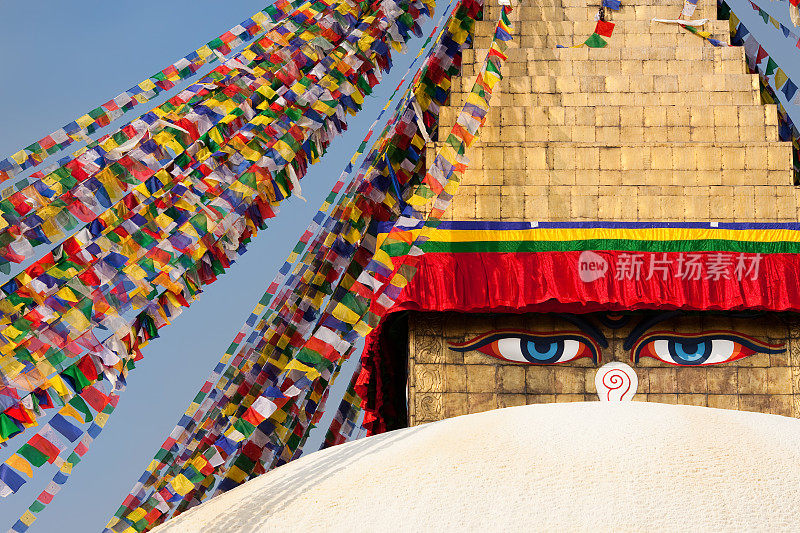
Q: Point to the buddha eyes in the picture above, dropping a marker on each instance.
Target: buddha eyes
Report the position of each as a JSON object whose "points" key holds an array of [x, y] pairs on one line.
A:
{"points": [[709, 348], [533, 348]]}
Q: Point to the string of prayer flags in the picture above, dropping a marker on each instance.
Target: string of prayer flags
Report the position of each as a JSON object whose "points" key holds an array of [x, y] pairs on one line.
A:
{"points": [[401, 269], [705, 35], [164, 80], [66, 465], [286, 425], [756, 55], [768, 78], [82, 189], [313, 18], [122, 264], [219, 203], [344, 425], [772, 21], [483, 86], [201, 404], [692, 26]]}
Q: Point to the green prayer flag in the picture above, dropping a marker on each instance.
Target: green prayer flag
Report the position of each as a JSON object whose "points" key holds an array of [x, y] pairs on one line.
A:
{"points": [[493, 68], [77, 378], [7, 426], [595, 41], [244, 427], [771, 66], [34, 456], [78, 403]]}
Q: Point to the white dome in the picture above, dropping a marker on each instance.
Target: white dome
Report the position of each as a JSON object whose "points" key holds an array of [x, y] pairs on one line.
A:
{"points": [[630, 466]]}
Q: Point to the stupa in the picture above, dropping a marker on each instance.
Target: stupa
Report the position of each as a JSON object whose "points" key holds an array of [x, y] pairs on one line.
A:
{"points": [[626, 230], [631, 467]]}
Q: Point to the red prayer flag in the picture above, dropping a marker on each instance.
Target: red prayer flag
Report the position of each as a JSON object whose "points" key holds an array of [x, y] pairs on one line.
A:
{"points": [[604, 28], [18, 413], [45, 446], [81, 449], [94, 397], [252, 416], [87, 366], [761, 54]]}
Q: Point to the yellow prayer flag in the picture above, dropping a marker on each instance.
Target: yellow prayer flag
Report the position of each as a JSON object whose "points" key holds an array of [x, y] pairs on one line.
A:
{"points": [[19, 157], [68, 410], [84, 121], [780, 78], [285, 150], [204, 52], [101, 419], [19, 463], [362, 328], [181, 485], [27, 518], [294, 364], [237, 474], [136, 515], [199, 462], [260, 18], [58, 385], [11, 332], [76, 319]]}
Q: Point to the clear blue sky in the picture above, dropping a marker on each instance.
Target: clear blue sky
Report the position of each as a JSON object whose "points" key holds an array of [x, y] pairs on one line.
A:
{"points": [[60, 59]]}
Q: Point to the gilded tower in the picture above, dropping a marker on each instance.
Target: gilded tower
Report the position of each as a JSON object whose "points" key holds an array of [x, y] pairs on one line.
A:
{"points": [[659, 127]]}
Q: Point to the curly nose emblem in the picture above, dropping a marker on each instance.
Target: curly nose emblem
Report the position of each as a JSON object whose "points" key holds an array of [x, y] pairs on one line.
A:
{"points": [[616, 382]]}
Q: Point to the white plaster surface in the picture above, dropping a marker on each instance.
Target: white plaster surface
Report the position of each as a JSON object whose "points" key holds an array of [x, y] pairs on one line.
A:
{"points": [[629, 466]]}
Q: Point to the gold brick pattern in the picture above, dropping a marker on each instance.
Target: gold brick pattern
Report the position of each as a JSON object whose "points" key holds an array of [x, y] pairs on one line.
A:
{"points": [[444, 383], [659, 126]]}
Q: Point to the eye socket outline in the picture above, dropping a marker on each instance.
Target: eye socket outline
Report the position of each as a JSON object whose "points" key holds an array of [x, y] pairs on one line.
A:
{"points": [[487, 338], [745, 342]]}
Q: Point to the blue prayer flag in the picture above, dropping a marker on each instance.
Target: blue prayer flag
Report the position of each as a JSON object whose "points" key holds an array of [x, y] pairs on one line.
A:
{"points": [[789, 88], [66, 428], [10, 477]]}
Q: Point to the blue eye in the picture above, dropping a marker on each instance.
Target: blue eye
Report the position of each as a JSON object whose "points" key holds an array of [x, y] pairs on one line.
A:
{"points": [[709, 348], [689, 352], [542, 351], [532, 348]]}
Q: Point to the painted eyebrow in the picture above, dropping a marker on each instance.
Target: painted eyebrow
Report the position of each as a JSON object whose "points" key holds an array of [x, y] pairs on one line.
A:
{"points": [[587, 327], [647, 323]]}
